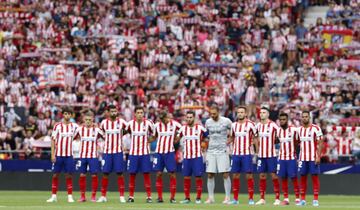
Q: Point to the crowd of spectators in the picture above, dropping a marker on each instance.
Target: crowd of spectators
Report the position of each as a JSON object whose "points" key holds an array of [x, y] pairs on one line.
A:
{"points": [[175, 55]]}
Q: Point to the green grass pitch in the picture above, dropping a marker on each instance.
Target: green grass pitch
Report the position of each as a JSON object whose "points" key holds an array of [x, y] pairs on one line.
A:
{"points": [[35, 200]]}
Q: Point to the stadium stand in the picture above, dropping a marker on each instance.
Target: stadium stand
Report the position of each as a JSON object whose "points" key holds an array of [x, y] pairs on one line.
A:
{"points": [[177, 55]]}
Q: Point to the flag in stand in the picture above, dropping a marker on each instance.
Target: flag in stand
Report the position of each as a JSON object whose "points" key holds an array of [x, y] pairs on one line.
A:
{"points": [[52, 75]]}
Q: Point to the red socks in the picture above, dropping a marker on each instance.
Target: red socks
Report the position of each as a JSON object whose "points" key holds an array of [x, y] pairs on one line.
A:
{"points": [[199, 184], [296, 187], [121, 185], [262, 188], [303, 187], [285, 189], [132, 185], [54, 185], [316, 186], [82, 185], [276, 185], [147, 183], [172, 187], [236, 187], [104, 185], [69, 185], [250, 183], [94, 185], [187, 184], [159, 186]]}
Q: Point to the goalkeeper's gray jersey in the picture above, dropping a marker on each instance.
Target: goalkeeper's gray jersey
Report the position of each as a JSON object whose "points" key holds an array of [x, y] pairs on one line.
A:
{"points": [[218, 132]]}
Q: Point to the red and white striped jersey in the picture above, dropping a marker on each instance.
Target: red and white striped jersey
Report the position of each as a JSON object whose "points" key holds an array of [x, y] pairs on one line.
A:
{"points": [[166, 134], [267, 135], [243, 134], [131, 73], [88, 140], [287, 138], [308, 142], [192, 137], [63, 135], [139, 136], [113, 133]]}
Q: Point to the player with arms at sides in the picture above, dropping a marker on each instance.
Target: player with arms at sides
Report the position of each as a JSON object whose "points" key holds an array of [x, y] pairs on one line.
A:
{"points": [[139, 155], [89, 135], [217, 158], [267, 159], [192, 135], [242, 135], [311, 143], [113, 129], [165, 132], [61, 153], [288, 138]]}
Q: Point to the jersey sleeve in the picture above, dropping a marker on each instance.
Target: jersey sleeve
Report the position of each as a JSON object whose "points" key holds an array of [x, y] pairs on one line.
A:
{"points": [[181, 132], [228, 124], [77, 133], [318, 132], [254, 129], [232, 130], [55, 131], [151, 127]]}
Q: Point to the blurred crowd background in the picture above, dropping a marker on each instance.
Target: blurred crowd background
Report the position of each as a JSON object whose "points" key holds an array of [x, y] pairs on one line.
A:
{"points": [[177, 55]]}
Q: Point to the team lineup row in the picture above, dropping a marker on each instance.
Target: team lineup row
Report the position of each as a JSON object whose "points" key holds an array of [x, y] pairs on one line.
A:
{"points": [[246, 138]]}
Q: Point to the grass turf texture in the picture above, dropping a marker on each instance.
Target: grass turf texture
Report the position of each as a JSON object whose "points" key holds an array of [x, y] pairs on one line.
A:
{"points": [[34, 200]]}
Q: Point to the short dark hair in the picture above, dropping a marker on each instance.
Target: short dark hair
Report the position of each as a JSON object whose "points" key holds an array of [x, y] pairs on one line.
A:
{"points": [[190, 112], [265, 108], [162, 114], [111, 106], [67, 109], [215, 107], [283, 114], [88, 113], [242, 107], [138, 108], [306, 112]]}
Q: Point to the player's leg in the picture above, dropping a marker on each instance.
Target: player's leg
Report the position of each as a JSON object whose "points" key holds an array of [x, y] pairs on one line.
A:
{"points": [[272, 166], [145, 168], [211, 169], [82, 164], [235, 170], [94, 169], [56, 168], [303, 170], [223, 166], [158, 166], [210, 187], [292, 174], [187, 171], [315, 171], [198, 170], [282, 174], [262, 168], [247, 167], [132, 168], [107, 163], [170, 164], [119, 168], [69, 169]]}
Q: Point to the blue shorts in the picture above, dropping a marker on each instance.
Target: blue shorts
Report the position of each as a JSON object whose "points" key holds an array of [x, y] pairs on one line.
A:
{"points": [[241, 164], [139, 164], [194, 166], [113, 163], [64, 164], [84, 163], [308, 167], [166, 160], [266, 165], [287, 168]]}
